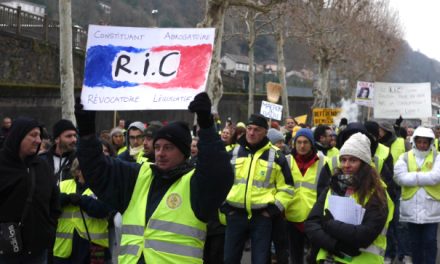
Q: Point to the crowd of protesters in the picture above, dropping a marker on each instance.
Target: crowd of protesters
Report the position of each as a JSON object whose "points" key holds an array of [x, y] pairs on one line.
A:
{"points": [[148, 192]]}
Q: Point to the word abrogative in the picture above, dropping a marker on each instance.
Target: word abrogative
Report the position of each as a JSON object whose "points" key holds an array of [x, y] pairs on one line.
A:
{"points": [[99, 99]]}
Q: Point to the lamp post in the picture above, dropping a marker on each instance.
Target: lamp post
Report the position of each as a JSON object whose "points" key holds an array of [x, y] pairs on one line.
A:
{"points": [[155, 14]]}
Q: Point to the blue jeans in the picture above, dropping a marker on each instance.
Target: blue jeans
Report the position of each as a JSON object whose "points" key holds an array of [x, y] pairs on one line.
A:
{"points": [[239, 228], [423, 242], [39, 258], [398, 242]]}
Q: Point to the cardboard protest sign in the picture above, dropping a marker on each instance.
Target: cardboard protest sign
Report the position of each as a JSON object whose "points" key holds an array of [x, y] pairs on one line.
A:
{"points": [[130, 68], [364, 93], [270, 110], [324, 116], [410, 100]]}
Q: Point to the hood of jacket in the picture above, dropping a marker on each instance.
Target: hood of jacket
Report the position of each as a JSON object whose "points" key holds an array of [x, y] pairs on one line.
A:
{"points": [[351, 129], [19, 129]]}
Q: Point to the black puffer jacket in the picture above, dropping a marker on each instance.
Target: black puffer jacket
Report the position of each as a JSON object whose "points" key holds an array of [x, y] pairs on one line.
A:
{"points": [[40, 223], [336, 236]]}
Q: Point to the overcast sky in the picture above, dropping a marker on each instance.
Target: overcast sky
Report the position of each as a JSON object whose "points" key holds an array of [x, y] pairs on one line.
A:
{"points": [[420, 21]]}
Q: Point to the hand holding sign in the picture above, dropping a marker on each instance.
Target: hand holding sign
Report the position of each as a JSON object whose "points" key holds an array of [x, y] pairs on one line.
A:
{"points": [[85, 120]]}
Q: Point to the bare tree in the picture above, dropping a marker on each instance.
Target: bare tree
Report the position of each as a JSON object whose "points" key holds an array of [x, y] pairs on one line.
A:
{"points": [[373, 50], [324, 27], [66, 60], [214, 17]]}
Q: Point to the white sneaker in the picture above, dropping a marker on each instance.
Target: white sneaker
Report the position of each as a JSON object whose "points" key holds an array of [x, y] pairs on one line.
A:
{"points": [[388, 260], [407, 260]]}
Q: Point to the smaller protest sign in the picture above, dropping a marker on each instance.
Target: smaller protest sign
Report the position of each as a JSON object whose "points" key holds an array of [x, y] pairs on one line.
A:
{"points": [[324, 116], [364, 93], [270, 110]]}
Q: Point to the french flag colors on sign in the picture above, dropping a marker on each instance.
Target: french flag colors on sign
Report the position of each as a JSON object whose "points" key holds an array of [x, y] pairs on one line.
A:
{"points": [[145, 68]]}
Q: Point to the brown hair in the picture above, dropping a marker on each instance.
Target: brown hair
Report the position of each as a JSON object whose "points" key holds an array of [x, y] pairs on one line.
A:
{"points": [[367, 184]]}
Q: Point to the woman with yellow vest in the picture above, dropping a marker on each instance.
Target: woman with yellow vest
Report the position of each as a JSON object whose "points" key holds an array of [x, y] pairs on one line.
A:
{"points": [[418, 172], [84, 220], [341, 242]]}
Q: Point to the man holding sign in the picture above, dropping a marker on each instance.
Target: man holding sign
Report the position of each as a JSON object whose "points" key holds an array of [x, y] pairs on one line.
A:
{"points": [[164, 206]]}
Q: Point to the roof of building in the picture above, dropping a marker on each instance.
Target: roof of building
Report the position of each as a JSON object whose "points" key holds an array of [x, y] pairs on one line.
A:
{"points": [[238, 58]]}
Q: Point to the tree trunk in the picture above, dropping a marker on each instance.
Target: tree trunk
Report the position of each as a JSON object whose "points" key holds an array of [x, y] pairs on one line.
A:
{"points": [[250, 21], [322, 91], [279, 37], [214, 17], [66, 61]]}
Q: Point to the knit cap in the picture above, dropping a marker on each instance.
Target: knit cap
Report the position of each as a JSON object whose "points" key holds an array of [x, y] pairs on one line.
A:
{"points": [[137, 125], [305, 132], [177, 133], [258, 120], [61, 126], [372, 128], [274, 135], [151, 130], [386, 126], [358, 145], [116, 131]]}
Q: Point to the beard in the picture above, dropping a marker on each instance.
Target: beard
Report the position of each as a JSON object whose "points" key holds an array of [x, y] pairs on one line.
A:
{"points": [[66, 147]]}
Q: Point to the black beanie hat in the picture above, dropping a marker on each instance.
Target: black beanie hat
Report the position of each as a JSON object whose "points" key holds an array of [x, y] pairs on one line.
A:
{"points": [[372, 128], [62, 126], [177, 133], [258, 120]]}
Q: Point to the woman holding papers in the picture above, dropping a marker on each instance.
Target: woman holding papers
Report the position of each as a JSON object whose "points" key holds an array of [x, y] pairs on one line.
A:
{"points": [[348, 222]]}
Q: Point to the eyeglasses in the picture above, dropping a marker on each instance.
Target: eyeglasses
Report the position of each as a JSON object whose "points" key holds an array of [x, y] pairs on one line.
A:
{"points": [[138, 137]]}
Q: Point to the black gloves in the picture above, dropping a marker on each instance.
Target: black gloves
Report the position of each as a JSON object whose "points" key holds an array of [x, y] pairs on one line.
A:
{"points": [[85, 119], [201, 105], [75, 199], [399, 121]]}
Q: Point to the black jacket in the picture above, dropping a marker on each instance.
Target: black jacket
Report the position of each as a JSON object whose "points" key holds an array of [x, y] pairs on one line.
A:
{"points": [[64, 171], [41, 220], [113, 180], [336, 236], [387, 169]]}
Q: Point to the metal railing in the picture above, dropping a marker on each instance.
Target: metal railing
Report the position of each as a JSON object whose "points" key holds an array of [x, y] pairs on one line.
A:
{"points": [[22, 23]]}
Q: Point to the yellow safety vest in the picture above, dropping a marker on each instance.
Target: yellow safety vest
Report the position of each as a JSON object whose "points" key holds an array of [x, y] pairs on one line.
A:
{"points": [[254, 185], [230, 147], [140, 157], [71, 220], [373, 253], [305, 189], [397, 148], [173, 234], [124, 148], [332, 152], [409, 191], [436, 143]]}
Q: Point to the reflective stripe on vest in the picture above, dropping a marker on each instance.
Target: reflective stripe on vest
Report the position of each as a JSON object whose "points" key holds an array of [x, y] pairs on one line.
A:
{"points": [[174, 248], [373, 253], [409, 191], [71, 220], [312, 186], [305, 190], [270, 164], [173, 234]]}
